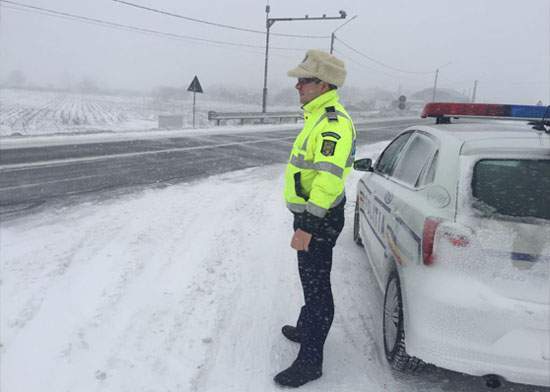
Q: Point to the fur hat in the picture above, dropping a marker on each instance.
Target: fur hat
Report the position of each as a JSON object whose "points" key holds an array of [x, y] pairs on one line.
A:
{"points": [[321, 65]]}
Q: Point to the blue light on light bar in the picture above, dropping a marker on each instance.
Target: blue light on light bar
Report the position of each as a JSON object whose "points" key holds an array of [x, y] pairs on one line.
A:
{"points": [[528, 111]]}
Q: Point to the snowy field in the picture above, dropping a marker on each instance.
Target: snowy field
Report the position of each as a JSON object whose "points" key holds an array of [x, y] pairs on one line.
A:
{"points": [[33, 112], [184, 288], [45, 113]]}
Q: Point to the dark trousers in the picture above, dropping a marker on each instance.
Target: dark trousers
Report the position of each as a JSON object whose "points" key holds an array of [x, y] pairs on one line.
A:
{"points": [[314, 267]]}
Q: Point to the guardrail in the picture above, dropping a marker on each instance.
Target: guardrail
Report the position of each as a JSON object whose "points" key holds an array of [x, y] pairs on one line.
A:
{"points": [[252, 116]]}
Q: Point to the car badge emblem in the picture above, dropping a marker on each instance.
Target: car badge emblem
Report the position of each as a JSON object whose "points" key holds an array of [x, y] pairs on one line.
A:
{"points": [[388, 197]]}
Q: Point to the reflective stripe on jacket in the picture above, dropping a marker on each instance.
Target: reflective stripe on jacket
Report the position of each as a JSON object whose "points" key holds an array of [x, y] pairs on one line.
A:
{"points": [[321, 157]]}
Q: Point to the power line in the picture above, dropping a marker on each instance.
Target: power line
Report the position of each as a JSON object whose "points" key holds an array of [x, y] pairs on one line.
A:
{"points": [[361, 65], [364, 66], [248, 30], [380, 62], [119, 26]]}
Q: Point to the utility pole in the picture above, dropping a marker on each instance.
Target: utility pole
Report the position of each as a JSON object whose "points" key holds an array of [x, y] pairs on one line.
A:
{"points": [[268, 26], [475, 91], [333, 34], [268, 23], [435, 84]]}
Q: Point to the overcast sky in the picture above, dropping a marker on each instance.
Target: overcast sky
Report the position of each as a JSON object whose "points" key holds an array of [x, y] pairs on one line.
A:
{"points": [[505, 44]]}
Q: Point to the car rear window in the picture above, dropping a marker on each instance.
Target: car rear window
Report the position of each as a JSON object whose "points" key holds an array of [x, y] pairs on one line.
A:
{"points": [[513, 187]]}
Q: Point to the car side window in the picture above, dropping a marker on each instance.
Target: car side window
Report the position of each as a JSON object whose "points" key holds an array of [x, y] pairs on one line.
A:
{"points": [[415, 159], [387, 159]]}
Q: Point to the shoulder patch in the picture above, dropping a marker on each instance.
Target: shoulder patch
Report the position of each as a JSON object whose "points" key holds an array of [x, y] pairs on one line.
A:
{"points": [[331, 113], [328, 147], [331, 134]]}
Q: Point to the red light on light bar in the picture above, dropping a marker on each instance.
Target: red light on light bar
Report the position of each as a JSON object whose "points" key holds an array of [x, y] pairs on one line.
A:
{"points": [[436, 109]]}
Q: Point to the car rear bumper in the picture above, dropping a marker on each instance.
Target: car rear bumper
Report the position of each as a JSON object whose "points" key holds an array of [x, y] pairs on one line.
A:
{"points": [[464, 326]]}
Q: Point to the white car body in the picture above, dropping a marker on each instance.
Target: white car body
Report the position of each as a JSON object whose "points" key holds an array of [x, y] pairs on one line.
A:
{"points": [[482, 306]]}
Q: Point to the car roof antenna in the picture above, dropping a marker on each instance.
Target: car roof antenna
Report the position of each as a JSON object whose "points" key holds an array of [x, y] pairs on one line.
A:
{"points": [[541, 126]]}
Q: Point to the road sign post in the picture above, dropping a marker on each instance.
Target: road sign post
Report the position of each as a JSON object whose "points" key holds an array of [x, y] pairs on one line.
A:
{"points": [[401, 102], [195, 87]]}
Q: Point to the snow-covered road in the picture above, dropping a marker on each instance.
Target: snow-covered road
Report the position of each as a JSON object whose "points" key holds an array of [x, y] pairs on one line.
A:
{"points": [[183, 288]]}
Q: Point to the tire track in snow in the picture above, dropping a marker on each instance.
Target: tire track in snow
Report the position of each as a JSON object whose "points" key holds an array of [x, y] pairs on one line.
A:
{"points": [[177, 334], [246, 333], [27, 270], [158, 329]]}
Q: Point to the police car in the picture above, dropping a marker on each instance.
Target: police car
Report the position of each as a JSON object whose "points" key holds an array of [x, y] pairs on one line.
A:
{"points": [[455, 220]]}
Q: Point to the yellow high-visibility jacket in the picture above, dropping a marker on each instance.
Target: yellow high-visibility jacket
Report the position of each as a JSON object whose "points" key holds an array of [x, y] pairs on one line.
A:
{"points": [[320, 160]]}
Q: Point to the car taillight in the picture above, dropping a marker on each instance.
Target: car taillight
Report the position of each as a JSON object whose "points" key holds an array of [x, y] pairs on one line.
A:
{"points": [[457, 236], [428, 235], [456, 239]]}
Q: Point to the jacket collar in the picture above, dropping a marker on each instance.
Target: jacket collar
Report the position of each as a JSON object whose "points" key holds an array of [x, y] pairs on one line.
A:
{"points": [[321, 101]]}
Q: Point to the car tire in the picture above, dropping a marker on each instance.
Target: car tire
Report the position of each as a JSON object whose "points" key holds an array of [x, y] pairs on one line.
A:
{"points": [[356, 235], [393, 331]]}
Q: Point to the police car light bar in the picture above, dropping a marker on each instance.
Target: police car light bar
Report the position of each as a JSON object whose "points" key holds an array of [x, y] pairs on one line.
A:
{"points": [[482, 110]]}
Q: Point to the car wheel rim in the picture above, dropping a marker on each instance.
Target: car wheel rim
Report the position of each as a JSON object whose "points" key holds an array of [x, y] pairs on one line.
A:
{"points": [[391, 315]]}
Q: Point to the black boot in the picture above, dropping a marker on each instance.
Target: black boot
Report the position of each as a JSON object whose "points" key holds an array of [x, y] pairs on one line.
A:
{"points": [[291, 333], [298, 374]]}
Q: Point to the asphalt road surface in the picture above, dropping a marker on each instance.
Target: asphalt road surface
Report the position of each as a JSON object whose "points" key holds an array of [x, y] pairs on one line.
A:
{"points": [[29, 177]]}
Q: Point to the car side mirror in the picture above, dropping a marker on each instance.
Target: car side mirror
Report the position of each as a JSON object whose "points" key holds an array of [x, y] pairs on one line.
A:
{"points": [[363, 164]]}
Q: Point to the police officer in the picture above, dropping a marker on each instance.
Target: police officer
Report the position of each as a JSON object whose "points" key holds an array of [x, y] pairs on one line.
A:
{"points": [[320, 160]]}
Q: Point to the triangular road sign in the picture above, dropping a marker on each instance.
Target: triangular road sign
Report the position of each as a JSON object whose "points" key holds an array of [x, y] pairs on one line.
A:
{"points": [[195, 86]]}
